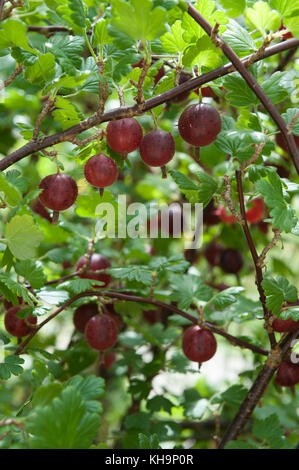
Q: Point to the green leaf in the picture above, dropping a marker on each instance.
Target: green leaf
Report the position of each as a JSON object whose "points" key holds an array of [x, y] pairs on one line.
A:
{"points": [[188, 288], [11, 366], [91, 388], [13, 33], [239, 93], [138, 421], [207, 187], [67, 51], [100, 33], [292, 24], [148, 441], [204, 53], [238, 38], [46, 394], [66, 113], [273, 88], [288, 116], [76, 286], [13, 195], [32, 272], [23, 236], [173, 41], [261, 17], [285, 7], [11, 290], [278, 291], [234, 395], [283, 214], [159, 403], [207, 9], [64, 424], [269, 429], [226, 297], [137, 20], [194, 405], [42, 71], [133, 273], [233, 8]]}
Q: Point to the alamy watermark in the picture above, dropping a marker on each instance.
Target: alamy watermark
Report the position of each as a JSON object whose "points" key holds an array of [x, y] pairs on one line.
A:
{"points": [[153, 220]]}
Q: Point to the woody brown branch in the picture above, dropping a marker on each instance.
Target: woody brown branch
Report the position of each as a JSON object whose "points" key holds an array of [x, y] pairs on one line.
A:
{"points": [[131, 111], [10, 79], [251, 82]]}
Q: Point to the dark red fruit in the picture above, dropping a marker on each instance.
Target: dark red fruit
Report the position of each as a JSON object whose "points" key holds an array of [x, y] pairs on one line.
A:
{"points": [[96, 263], [184, 77], [263, 226], [285, 35], [199, 344], [83, 314], [151, 316], [124, 135], [39, 209], [225, 217], [287, 374], [281, 142], [66, 264], [256, 212], [282, 171], [284, 326], [59, 191], [231, 261], [160, 74], [212, 254], [211, 214], [100, 171], [157, 148], [101, 332], [18, 327], [200, 124], [109, 359], [8, 304], [207, 92]]}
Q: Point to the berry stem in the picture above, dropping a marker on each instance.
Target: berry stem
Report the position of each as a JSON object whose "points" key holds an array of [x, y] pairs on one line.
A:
{"points": [[101, 192], [55, 217], [164, 172]]}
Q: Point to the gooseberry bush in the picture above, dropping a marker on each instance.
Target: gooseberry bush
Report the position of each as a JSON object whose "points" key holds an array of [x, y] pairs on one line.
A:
{"points": [[142, 343]]}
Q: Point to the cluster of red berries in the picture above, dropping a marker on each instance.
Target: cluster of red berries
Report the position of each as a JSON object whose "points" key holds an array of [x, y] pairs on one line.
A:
{"points": [[212, 215], [228, 259], [198, 125]]}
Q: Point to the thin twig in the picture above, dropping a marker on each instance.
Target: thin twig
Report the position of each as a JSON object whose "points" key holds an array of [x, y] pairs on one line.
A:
{"points": [[226, 195], [273, 242], [48, 106], [255, 156], [252, 83], [81, 143], [128, 297], [10, 79], [131, 111], [255, 257]]}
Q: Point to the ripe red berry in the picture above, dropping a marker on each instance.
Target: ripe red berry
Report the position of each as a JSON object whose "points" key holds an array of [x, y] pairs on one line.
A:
{"points": [[199, 344], [281, 142], [18, 327], [151, 316], [157, 148], [255, 213], [160, 74], [39, 209], [8, 304], [263, 226], [231, 261], [59, 191], [83, 314], [184, 77], [212, 254], [100, 171], [124, 135], [96, 263], [284, 326], [101, 332], [285, 35], [200, 124], [225, 217], [287, 374], [211, 214], [109, 359], [207, 92]]}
